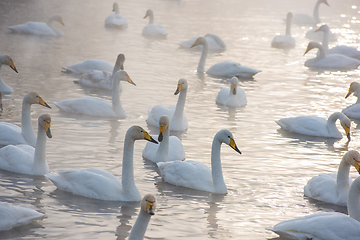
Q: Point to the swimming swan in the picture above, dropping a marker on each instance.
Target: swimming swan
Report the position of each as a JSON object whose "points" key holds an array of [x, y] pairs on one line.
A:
{"points": [[26, 159], [6, 60], [353, 111], [285, 41], [178, 120], [12, 134], [115, 20], [233, 96], [326, 225], [148, 206], [216, 44], [100, 184], [333, 188], [95, 106], [40, 28], [88, 65], [197, 175], [153, 30], [170, 147], [305, 19], [223, 69], [317, 126]]}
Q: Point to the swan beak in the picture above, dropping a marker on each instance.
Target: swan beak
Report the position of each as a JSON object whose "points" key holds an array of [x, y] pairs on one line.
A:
{"points": [[195, 44], [161, 133], [317, 30], [327, 3], [347, 132], [130, 81], [234, 89], [145, 15], [61, 21], [150, 207], [42, 102], [178, 89], [348, 94], [12, 65], [307, 50], [233, 145], [47, 129], [357, 166], [149, 138]]}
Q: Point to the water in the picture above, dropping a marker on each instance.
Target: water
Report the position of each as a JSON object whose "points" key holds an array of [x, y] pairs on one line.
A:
{"points": [[265, 183]]}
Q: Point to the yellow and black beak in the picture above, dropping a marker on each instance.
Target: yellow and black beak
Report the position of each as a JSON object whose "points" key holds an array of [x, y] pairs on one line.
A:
{"points": [[195, 43], [348, 94], [307, 50], [43, 103], [178, 89], [327, 3], [149, 138], [233, 88], [12, 65], [150, 207], [233, 145], [161, 133], [47, 129], [357, 166], [130, 81], [347, 132]]}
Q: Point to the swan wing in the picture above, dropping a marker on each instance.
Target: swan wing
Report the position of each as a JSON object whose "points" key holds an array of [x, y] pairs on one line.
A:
{"points": [[97, 79], [37, 28], [154, 30], [345, 50], [157, 111], [17, 158], [283, 41], [231, 69], [89, 65], [11, 134], [176, 149], [189, 43], [352, 111], [337, 61], [223, 95], [116, 21]]}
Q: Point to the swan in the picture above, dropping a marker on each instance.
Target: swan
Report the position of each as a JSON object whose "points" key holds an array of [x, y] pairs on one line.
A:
{"points": [[24, 158], [325, 225], [223, 69], [233, 96], [148, 205], [40, 28], [353, 111], [12, 134], [102, 79], [13, 216], [334, 188], [6, 60], [305, 19], [316, 126], [115, 20], [100, 184], [88, 65], [95, 106], [178, 120], [332, 61], [170, 147], [153, 30], [196, 175], [315, 34], [285, 41], [216, 44]]}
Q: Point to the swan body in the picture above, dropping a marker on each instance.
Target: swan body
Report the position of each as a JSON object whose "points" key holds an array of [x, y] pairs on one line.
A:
{"points": [[178, 120], [305, 19], [40, 28], [170, 147], [115, 20], [153, 30], [6, 60], [102, 79], [223, 69], [100, 184], [285, 41], [233, 96], [328, 225], [353, 111], [334, 188], [216, 44], [95, 106], [26, 159], [89, 65], [332, 61], [12, 134], [12, 216], [147, 209], [196, 175], [316, 126]]}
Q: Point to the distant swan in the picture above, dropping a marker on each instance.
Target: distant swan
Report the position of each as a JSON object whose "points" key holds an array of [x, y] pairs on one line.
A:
{"points": [[223, 69], [89, 65], [115, 20], [40, 28], [197, 175], [353, 111], [6, 60], [305, 19], [216, 44], [153, 30], [316, 35], [178, 120], [100, 184], [233, 96], [285, 41]]}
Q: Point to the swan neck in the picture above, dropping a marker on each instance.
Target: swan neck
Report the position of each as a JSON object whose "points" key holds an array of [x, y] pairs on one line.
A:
{"points": [[40, 166], [140, 226], [204, 53], [115, 97], [163, 149], [353, 202], [325, 42], [316, 12], [322, 52], [180, 105], [288, 26], [216, 169], [26, 126], [342, 178], [151, 18], [128, 182]]}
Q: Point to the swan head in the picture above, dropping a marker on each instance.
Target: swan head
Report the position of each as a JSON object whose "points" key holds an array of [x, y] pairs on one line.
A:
{"points": [[181, 86], [323, 28], [149, 13], [234, 83], [312, 45], [115, 7], [200, 41], [164, 122], [353, 158], [45, 122], [6, 59], [345, 123], [121, 75], [226, 136], [58, 18], [289, 15], [148, 204], [138, 133], [354, 87], [34, 98]]}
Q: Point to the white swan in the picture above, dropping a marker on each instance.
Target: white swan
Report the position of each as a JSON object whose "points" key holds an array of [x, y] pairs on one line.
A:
{"points": [[170, 147], [153, 30], [325, 225], [100, 184], [102, 79], [216, 44], [285, 41], [317, 126], [332, 61], [315, 34], [115, 20], [178, 120], [89, 65], [353, 111], [26, 159], [12, 134], [6, 60], [333, 188], [233, 96], [197, 175], [95, 106], [13, 216], [40, 28], [305, 19], [223, 69], [147, 209]]}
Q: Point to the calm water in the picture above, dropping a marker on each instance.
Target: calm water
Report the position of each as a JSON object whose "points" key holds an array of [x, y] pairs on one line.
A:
{"points": [[265, 183]]}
